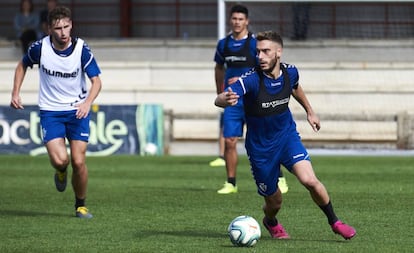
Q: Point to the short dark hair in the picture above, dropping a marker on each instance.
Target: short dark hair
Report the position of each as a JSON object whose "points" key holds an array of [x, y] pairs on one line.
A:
{"points": [[58, 13], [238, 8], [270, 35]]}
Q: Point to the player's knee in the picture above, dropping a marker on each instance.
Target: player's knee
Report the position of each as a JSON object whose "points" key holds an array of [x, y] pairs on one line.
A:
{"points": [[60, 163], [231, 142], [311, 183], [78, 165]]}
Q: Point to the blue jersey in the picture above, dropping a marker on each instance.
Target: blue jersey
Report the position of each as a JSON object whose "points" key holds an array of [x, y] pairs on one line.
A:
{"points": [[267, 133], [238, 57], [235, 46], [88, 61], [272, 139]]}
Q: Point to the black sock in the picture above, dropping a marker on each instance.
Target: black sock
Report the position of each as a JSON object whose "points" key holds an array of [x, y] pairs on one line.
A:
{"points": [[280, 173], [79, 202], [222, 157], [231, 180], [271, 222], [329, 212]]}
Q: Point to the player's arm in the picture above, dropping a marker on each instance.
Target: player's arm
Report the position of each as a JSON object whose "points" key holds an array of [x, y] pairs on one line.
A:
{"points": [[92, 71], [32, 57], [300, 96], [85, 106], [96, 85], [19, 74], [219, 77]]}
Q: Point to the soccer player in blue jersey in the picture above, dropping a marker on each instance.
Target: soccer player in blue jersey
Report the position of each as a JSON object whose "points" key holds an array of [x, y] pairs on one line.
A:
{"points": [[235, 55], [64, 100], [272, 139]]}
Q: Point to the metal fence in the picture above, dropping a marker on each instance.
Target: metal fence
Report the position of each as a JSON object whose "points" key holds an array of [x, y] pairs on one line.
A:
{"points": [[199, 19]]}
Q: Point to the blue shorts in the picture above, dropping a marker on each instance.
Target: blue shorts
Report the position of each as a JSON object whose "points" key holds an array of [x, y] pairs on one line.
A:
{"points": [[233, 121], [266, 167], [61, 124]]}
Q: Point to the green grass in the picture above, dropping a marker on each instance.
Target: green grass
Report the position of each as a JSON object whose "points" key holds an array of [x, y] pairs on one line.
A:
{"points": [[170, 204]]}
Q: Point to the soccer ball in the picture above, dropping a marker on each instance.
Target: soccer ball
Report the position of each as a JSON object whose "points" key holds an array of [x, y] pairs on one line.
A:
{"points": [[244, 231], [150, 149]]}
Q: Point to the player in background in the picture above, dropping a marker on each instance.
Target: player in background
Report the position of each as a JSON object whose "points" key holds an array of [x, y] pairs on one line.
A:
{"points": [[64, 100], [235, 55], [272, 139]]}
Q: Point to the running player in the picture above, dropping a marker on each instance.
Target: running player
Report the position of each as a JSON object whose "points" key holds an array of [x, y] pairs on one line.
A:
{"points": [[64, 100], [272, 139]]}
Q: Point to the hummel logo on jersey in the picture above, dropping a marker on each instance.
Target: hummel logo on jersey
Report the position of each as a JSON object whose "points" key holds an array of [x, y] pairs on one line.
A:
{"points": [[275, 84], [58, 73]]}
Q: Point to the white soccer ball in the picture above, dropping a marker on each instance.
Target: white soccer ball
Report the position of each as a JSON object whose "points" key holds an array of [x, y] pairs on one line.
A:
{"points": [[244, 231], [150, 149]]}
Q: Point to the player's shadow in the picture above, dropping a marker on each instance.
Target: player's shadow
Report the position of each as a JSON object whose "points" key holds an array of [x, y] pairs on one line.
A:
{"points": [[301, 240], [24, 213]]}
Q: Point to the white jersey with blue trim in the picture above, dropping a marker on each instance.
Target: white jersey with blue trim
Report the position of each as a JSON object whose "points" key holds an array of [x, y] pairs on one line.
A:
{"points": [[62, 79]]}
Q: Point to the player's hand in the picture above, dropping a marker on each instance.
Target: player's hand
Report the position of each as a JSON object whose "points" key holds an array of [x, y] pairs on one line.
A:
{"points": [[16, 102], [83, 110], [226, 98], [231, 97], [314, 121]]}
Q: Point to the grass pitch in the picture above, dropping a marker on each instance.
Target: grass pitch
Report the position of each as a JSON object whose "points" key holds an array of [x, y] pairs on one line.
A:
{"points": [[170, 204]]}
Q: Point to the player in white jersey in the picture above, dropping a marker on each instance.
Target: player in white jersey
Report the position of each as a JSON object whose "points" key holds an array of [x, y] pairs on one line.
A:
{"points": [[64, 100], [272, 139]]}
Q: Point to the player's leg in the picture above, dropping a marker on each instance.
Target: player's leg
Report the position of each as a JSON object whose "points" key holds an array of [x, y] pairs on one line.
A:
{"points": [[219, 161], [266, 174], [58, 155], [272, 205], [296, 159], [59, 159], [230, 155], [53, 129], [79, 176], [80, 171], [305, 174], [78, 135], [233, 123], [221, 137]]}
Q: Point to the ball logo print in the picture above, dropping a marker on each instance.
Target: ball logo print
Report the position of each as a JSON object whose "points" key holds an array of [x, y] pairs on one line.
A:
{"points": [[244, 231]]}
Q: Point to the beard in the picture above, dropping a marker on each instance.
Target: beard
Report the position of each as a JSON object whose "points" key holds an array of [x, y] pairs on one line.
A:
{"points": [[272, 65]]}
